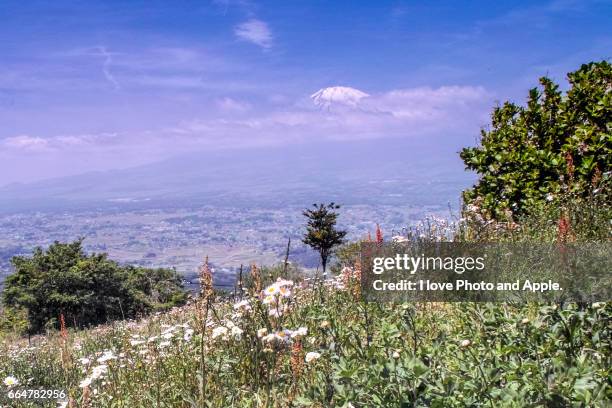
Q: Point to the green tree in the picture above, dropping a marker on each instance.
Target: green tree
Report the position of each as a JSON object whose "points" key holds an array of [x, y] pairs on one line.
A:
{"points": [[321, 232], [557, 144], [86, 289]]}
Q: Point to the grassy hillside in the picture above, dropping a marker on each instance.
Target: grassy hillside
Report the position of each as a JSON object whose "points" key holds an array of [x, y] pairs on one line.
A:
{"points": [[316, 343], [321, 346]]}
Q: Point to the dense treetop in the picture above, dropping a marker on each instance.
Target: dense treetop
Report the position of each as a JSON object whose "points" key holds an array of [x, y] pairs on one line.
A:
{"points": [[558, 143], [85, 289]]}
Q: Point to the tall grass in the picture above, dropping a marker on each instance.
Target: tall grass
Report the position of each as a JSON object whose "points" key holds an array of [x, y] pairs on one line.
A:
{"points": [[315, 343]]}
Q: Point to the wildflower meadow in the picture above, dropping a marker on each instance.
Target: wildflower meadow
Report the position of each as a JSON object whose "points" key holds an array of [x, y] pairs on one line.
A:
{"points": [[282, 339]]}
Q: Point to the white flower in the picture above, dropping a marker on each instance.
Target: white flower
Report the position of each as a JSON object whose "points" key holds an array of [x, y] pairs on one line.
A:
{"points": [[301, 332], [598, 305], [84, 361], [271, 290], [274, 313], [168, 335], [396, 354], [188, 334], [164, 344], [108, 355], [465, 343], [10, 381], [284, 291], [549, 197], [219, 331], [85, 383], [311, 356], [525, 321], [237, 332], [268, 300], [244, 304], [283, 282], [283, 335], [98, 371], [136, 342], [262, 332], [280, 336]]}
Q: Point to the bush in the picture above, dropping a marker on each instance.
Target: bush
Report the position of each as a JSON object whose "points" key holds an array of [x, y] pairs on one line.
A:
{"points": [[85, 289], [557, 144], [583, 218]]}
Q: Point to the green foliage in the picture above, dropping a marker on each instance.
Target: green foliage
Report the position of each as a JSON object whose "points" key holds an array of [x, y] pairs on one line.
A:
{"points": [[86, 289], [371, 355], [348, 254], [268, 275], [557, 144], [588, 220], [14, 321], [321, 232], [367, 354]]}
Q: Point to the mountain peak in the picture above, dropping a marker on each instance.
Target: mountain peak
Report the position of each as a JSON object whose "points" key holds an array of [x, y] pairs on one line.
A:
{"points": [[337, 95]]}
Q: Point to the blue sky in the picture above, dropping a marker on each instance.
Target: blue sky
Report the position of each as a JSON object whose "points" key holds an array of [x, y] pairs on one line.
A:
{"points": [[101, 85]]}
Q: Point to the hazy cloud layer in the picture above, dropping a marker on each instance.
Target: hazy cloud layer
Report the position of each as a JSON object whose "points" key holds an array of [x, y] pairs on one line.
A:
{"points": [[255, 31], [416, 112]]}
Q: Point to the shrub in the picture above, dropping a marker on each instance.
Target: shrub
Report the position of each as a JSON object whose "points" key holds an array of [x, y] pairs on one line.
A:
{"points": [[558, 143], [86, 289]]}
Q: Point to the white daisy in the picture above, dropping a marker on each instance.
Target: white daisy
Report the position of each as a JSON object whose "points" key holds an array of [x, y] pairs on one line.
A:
{"points": [[237, 332], [301, 332], [219, 331], [311, 356], [11, 381], [85, 383], [271, 290]]}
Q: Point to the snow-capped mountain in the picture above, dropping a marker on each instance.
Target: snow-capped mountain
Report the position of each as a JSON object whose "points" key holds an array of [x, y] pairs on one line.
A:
{"points": [[337, 95]]}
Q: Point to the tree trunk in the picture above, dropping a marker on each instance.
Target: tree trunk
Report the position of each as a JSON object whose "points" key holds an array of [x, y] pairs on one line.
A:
{"points": [[324, 262]]}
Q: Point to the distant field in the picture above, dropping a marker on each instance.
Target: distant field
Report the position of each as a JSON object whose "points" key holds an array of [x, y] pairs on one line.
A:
{"points": [[182, 237]]}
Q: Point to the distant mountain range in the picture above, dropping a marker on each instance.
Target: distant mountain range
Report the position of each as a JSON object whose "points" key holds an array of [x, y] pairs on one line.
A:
{"points": [[384, 171]]}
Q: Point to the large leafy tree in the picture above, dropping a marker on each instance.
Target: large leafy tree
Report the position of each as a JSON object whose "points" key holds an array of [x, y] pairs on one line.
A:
{"points": [[558, 143], [86, 289], [321, 232]]}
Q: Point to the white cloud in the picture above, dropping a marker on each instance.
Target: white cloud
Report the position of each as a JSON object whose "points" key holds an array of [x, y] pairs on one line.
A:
{"points": [[57, 143], [255, 31], [421, 113], [426, 103], [108, 59], [25, 142], [416, 112], [232, 105]]}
